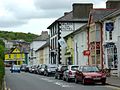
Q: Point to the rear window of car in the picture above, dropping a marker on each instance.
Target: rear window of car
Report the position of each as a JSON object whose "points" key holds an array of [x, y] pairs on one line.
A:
{"points": [[74, 68], [64, 68], [90, 69]]}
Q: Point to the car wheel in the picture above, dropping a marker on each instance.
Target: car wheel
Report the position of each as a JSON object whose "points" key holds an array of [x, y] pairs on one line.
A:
{"points": [[76, 81]]}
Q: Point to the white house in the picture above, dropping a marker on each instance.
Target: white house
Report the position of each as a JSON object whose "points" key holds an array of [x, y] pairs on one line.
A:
{"points": [[42, 54], [36, 44], [111, 42], [80, 46]]}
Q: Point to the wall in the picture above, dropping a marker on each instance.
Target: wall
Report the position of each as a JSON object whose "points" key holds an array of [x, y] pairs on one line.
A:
{"points": [[80, 44]]}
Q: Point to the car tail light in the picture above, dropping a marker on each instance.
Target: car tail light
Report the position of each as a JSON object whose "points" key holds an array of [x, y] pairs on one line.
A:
{"points": [[70, 73]]}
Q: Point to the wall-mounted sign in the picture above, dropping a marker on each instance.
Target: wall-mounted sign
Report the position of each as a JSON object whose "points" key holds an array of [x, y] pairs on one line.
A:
{"points": [[109, 26], [66, 26], [86, 52]]}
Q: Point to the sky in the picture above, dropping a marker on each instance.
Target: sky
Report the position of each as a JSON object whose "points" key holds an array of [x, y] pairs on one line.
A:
{"points": [[34, 16]]}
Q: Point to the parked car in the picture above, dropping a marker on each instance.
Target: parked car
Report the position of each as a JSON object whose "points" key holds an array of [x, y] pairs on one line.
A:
{"points": [[89, 74], [15, 68], [23, 66], [41, 69], [59, 71], [27, 68], [38, 67], [69, 74], [50, 69], [32, 69]]}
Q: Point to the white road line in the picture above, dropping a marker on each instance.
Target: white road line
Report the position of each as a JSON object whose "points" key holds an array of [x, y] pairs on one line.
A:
{"points": [[63, 84], [58, 83]]}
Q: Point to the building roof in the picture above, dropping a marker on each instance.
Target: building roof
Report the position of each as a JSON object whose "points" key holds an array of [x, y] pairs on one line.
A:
{"points": [[44, 45], [100, 13], [22, 50], [113, 14], [69, 18], [42, 37]]}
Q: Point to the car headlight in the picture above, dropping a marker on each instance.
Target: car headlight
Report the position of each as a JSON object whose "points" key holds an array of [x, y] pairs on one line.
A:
{"points": [[48, 70]]}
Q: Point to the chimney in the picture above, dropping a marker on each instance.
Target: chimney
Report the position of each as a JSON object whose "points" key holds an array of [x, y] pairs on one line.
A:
{"points": [[113, 4], [44, 32], [81, 10]]}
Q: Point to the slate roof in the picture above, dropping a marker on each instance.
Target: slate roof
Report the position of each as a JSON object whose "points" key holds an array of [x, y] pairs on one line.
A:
{"points": [[43, 46], [22, 50], [41, 38], [99, 14], [113, 14], [69, 18]]}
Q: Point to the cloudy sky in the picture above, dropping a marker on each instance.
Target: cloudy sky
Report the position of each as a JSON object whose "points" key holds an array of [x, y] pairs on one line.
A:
{"points": [[35, 16]]}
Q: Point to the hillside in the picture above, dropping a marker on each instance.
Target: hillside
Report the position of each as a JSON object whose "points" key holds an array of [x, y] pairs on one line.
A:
{"points": [[28, 37]]}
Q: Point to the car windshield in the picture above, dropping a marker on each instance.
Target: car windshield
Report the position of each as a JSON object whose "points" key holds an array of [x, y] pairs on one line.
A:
{"points": [[16, 66], [74, 67], [90, 69]]}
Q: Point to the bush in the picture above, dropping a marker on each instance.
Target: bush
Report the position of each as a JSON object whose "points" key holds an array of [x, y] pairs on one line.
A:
{"points": [[2, 73]]}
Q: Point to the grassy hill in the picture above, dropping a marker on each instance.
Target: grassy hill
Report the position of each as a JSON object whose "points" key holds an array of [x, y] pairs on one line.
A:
{"points": [[28, 37]]}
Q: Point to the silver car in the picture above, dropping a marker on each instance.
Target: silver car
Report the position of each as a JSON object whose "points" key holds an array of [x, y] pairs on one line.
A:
{"points": [[69, 74], [50, 69], [41, 69]]}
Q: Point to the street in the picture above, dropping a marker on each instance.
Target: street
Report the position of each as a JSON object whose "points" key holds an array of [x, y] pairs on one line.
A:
{"points": [[28, 81]]}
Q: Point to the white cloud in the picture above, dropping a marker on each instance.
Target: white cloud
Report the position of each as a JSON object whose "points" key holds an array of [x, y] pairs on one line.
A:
{"points": [[18, 14]]}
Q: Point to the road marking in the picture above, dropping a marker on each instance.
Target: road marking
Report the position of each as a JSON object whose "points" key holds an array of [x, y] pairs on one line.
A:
{"points": [[46, 79], [113, 87], [58, 83], [63, 84]]}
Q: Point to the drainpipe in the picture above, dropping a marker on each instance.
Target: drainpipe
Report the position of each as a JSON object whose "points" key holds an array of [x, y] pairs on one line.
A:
{"points": [[101, 44], [88, 43]]}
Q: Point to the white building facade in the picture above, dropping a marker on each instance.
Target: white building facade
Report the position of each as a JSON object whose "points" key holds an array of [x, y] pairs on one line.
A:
{"points": [[80, 45], [111, 42]]}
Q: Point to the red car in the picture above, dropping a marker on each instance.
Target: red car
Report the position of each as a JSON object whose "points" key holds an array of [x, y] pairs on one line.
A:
{"points": [[89, 74]]}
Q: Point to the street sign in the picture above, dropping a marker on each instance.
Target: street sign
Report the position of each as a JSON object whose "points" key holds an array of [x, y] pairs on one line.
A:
{"points": [[86, 52], [109, 26]]}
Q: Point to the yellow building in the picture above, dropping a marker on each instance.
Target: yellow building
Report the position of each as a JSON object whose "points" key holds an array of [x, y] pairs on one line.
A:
{"points": [[69, 50], [15, 56]]}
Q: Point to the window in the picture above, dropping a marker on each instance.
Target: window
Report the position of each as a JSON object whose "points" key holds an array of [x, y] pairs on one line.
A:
{"points": [[110, 35], [9, 56], [15, 56]]}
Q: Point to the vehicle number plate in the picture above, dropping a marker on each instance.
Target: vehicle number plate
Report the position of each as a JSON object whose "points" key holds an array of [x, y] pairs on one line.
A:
{"points": [[96, 78]]}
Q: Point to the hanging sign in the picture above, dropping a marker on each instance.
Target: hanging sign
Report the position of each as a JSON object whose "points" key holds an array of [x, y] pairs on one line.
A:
{"points": [[86, 52]]}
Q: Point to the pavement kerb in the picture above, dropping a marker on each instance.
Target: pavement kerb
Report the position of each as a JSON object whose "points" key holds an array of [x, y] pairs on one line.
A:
{"points": [[113, 85]]}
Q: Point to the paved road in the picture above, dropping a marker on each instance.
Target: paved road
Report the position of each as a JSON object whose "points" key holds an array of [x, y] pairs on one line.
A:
{"points": [[27, 81]]}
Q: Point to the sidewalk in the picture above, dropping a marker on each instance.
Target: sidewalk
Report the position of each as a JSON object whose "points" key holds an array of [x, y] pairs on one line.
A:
{"points": [[113, 81]]}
